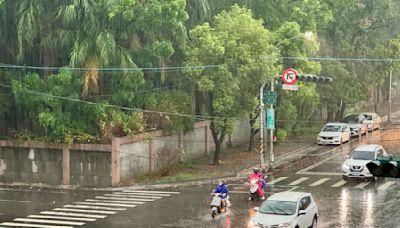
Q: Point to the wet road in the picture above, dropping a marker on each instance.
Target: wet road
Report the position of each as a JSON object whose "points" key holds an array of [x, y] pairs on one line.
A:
{"points": [[353, 203]]}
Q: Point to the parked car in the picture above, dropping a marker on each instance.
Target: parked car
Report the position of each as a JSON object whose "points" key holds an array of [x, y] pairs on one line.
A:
{"points": [[372, 120], [286, 209], [356, 124], [334, 133], [355, 165]]}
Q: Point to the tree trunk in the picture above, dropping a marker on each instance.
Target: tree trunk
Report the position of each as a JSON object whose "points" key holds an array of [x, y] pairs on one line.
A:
{"points": [[253, 131], [198, 102], [217, 152]]}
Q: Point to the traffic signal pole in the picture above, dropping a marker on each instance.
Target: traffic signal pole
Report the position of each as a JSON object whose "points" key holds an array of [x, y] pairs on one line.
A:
{"points": [[262, 120], [271, 132]]}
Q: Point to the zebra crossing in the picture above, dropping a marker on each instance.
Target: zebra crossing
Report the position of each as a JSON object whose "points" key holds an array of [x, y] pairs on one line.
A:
{"points": [[90, 210], [333, 182]]}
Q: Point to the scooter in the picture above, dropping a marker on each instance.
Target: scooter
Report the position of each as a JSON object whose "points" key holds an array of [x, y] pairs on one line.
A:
{"points": [[216, 205], [253, 189]]}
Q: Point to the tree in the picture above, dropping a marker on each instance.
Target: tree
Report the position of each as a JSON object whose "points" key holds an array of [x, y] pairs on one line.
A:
{"points": [[235, 43]]}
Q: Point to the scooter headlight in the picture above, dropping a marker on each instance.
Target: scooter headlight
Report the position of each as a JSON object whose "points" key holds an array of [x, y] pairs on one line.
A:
{"points": [[252, 223]]}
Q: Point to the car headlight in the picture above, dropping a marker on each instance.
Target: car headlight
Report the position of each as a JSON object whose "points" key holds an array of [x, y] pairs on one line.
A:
{"points": [[345, 166], [252, 223], [285, 225]]}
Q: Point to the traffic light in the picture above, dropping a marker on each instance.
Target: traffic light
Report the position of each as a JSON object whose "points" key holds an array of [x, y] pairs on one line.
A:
{"points": [[313, 78], [385, 167]]}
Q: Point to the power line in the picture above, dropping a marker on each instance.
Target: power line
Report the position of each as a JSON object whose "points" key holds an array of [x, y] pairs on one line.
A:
{"points": [[341, 59], [108, 69]]}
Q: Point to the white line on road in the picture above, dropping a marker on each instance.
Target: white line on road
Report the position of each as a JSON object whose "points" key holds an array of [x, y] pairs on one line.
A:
{"points": [[49, 221], [95, 207], [62, 218], [73, 214], [106, 204], [19, 201], [319, 182], [125, 199], [338, 184], [151, 192], [15, 224], [144, 194], [322, 173], [317, 164], [86, 211], [296, 182], [385, 186], [294, 188], [115, 201], [133, 196], [276, 180], [238, 192], [362, 185]]}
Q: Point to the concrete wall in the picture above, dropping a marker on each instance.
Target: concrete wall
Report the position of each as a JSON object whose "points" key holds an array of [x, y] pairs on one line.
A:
{"points": [[90, 169], [25, 165], [152, 151], [55, 164]]}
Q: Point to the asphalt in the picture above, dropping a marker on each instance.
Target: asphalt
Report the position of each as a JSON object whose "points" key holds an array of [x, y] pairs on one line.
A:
{"points": [[355, 203]]}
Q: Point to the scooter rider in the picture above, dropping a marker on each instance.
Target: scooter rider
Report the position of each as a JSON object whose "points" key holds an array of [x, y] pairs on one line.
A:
{"points": [[223, 191], [256, 174]]}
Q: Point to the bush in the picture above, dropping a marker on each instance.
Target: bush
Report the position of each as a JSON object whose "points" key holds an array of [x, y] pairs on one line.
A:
{"points": [[281, 135]]}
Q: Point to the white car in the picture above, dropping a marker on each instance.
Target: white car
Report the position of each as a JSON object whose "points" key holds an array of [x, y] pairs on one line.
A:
{"points": [[356, 124], [334, 133], [286, 209], [372, 120], [355, 165]]}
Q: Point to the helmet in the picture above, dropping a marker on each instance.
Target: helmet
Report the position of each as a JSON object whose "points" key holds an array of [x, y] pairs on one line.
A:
{"points": [[256, 170]]}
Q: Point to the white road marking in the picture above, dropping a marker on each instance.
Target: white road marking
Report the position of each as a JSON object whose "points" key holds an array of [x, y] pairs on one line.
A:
{"points": [[15, 224], [323, 173], [115, 201], [385, 185], [276, 180], [319, 182], [62, 218], [294, 188], [73, 214], [86, 211], [340, 183], [362, 185], [122, 198], [143, 194], [133, 196], [298, 181], [151, 192], [106, 204], [19, 201], [317, 164], [49, 221], [95, 207]]}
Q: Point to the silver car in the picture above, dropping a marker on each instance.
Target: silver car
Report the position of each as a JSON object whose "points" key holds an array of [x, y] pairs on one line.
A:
{"points": [[356, 124]]}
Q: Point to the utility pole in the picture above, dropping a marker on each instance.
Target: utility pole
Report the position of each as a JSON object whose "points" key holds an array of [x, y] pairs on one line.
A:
{"points": [[271, 132], [262, 121], [390, 92]]}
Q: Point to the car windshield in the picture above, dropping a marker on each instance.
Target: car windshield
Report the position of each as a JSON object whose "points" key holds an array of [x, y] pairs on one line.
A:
{"points": [[368, 117], [278, 207], [362, 155], [351, 120], [332, 128]]}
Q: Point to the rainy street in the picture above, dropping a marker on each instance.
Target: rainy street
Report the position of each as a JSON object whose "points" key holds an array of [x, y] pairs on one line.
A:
{"points": [[352, 203]]}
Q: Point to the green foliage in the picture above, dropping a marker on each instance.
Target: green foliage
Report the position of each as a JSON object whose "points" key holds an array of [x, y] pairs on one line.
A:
{"points": [[281, 135]]}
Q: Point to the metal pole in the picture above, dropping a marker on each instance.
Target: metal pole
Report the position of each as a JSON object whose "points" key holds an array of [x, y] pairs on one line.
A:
{"points": [[390, 93], [271, 143], [262, 121]]}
